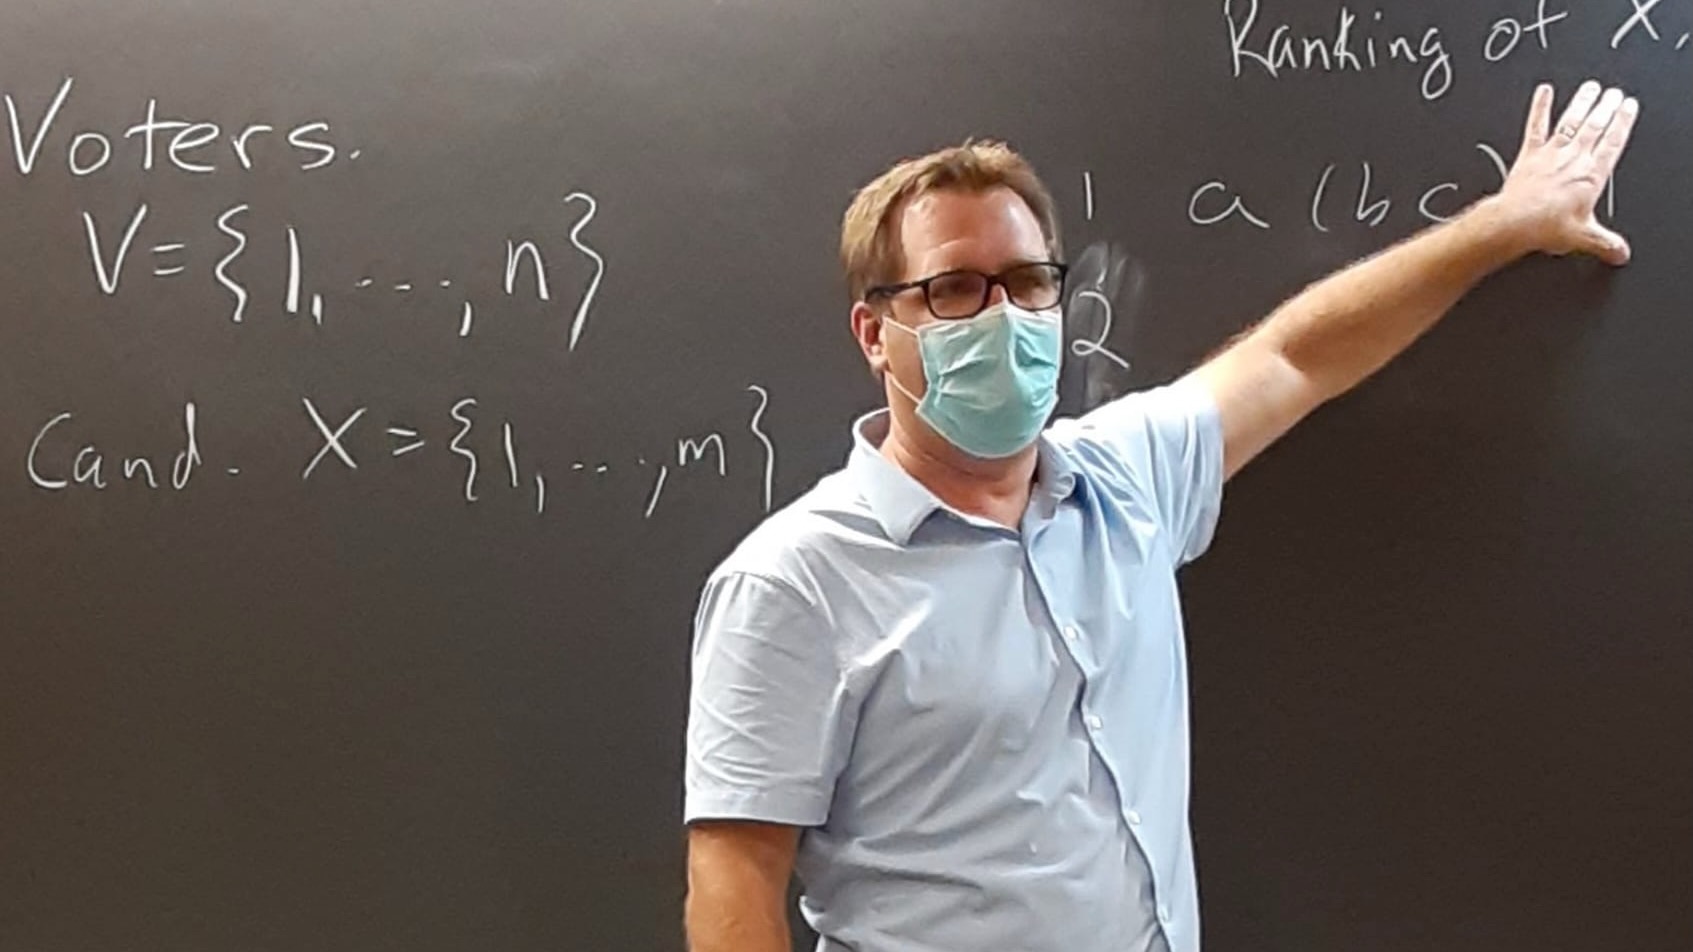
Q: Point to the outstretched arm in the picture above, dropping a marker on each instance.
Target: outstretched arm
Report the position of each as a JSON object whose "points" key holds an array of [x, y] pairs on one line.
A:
{"points": [[1337, 332]]}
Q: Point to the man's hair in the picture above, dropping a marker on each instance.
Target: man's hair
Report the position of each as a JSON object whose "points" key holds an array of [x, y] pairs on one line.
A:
{"points": [[870, 251]]}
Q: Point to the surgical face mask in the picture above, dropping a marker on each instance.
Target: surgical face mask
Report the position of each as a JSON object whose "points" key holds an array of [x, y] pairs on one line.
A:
{"points": [[992, 379]]}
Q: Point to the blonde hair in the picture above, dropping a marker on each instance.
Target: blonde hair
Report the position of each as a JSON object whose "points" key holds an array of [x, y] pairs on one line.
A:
{"points": [[870, 251]]}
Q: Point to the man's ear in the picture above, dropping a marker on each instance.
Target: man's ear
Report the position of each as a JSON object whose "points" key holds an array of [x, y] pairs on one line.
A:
{"points": [[867, 329]]}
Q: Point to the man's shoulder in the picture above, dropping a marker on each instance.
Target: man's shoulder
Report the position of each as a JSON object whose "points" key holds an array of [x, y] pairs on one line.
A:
{"points": [[1125, 437], [802, 545]]}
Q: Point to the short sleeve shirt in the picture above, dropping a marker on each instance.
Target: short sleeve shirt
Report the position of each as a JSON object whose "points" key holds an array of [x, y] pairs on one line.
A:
{"points": [[983, 730]]}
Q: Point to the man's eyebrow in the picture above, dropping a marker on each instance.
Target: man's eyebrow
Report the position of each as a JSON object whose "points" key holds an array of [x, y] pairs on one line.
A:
{"points": [[1016, 262], [1021, 261]]}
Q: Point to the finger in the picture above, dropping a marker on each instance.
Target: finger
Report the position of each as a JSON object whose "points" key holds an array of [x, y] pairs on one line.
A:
{"points": [[1576, 112], [1599, 118], [1606, 245], [1539, 125], [1609, 150]]}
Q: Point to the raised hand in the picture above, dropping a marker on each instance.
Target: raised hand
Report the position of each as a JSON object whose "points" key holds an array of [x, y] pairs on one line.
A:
{"points": [[1561, 171]]}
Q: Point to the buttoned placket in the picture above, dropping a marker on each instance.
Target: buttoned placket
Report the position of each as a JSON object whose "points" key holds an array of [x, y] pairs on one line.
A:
{"points": [[1073, 639]]}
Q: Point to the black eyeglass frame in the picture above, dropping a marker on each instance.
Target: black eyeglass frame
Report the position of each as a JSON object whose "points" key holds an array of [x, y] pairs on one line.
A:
{"points": [[990, 281]]}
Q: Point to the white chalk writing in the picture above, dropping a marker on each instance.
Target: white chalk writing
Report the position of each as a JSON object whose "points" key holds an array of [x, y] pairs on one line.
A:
{"points": [[87, 466], [186, 142], [1278, 50]]}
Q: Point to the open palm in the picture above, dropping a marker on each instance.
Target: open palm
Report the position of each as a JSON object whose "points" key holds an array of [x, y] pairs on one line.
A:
{"points": [[1559, 174]]}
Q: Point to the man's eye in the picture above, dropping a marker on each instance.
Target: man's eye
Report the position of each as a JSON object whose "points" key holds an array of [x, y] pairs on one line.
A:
{"points": [[956, 286]]}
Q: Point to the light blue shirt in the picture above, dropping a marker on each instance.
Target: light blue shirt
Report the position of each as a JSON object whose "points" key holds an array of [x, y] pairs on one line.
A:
{"points": [[983, 731]]}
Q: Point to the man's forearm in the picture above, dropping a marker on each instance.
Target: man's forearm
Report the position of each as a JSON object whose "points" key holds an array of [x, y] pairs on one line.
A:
{"points": [[1347, 326], [1327, 339]]}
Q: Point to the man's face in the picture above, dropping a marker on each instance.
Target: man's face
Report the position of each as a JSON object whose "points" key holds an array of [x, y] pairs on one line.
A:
{"points": [[943, 231]]}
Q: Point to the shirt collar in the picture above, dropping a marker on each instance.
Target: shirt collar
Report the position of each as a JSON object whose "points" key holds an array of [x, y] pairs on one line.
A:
{"points": [[900, 503]]}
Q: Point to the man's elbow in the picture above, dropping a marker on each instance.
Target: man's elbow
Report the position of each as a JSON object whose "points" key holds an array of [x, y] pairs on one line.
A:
{"points": [[718, 917]]}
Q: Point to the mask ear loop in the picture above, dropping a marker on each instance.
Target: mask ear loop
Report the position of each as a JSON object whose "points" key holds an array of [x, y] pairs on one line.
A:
{"points": [[887, 319]]}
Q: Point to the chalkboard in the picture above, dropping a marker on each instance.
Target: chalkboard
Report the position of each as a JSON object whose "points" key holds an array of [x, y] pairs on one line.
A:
{"points": [[381, 381]]}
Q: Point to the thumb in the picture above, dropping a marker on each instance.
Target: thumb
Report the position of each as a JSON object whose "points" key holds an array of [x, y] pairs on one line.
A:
{"points": [[1605, 244]]}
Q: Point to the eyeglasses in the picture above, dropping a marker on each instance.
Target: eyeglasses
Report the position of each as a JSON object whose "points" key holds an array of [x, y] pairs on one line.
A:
{"points": [[954, 295]]}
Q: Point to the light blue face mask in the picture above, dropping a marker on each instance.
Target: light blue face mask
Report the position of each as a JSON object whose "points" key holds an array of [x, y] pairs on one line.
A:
{"points": [[992, 379]]}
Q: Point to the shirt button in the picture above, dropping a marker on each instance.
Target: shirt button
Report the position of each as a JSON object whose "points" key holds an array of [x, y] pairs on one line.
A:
{"points": [[1134, 818], [1070, 633], [1094, 721], [1164, 914]]}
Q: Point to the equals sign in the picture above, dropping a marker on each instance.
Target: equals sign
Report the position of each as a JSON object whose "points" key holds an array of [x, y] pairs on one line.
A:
{"points": [[164, 270], [400, 432]]}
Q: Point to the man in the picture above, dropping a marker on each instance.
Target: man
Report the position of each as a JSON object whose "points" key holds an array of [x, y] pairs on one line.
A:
{"points": [[947, 685]]}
